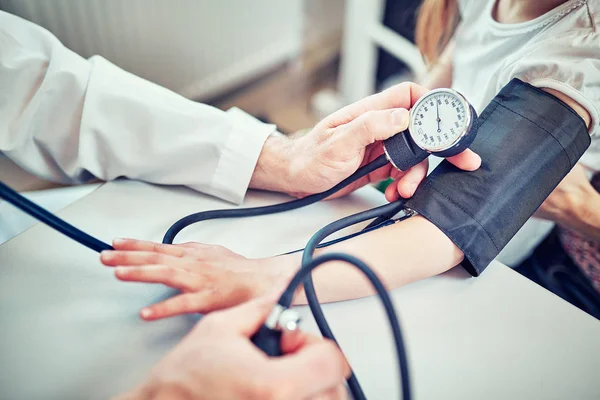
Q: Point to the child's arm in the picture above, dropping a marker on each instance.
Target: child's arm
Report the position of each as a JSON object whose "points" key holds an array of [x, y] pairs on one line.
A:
{"points": [[405, 252], [212, 277], [574, 204]]}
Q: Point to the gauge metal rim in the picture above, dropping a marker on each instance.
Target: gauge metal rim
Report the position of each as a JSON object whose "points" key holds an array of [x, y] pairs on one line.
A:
{"points": [[468, 116]]}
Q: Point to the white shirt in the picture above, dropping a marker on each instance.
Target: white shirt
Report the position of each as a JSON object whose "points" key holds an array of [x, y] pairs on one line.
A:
{"points": [[68, 119], [558, 50]]}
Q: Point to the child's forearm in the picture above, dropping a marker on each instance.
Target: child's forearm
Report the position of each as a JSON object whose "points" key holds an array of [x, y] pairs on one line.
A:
{"points": [[405, 252]]}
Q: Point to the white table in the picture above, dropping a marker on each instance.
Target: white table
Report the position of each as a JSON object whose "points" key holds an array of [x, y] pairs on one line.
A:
{"points": [[69, 330]]}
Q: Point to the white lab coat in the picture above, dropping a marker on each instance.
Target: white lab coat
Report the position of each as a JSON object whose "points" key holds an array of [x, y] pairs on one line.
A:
{"points": [[68, 119]]}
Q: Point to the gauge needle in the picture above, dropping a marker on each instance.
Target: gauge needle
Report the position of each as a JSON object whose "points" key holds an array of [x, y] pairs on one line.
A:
{"points": [[438, 115]]}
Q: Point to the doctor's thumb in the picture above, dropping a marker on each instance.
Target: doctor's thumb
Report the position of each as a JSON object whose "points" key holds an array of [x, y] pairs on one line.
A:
{"points": [[374, 126]]}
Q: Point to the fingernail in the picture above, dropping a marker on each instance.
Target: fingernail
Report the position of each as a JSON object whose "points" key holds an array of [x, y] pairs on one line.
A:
{"points": [[413, 188], [146, 313], [120, 271], [119, 241], [106, 255], [400, 117]]}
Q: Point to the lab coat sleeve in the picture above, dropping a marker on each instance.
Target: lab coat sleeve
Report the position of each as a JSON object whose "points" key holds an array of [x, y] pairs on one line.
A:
{"points": [[68, 119]]}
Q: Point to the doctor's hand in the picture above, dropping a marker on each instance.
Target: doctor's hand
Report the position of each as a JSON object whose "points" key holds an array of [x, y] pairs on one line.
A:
{"points": [[216, 360], [343, 142]]}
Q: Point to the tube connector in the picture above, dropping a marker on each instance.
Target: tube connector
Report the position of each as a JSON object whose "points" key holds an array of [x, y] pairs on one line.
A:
{"points": [[283, 319], [289, 320]]}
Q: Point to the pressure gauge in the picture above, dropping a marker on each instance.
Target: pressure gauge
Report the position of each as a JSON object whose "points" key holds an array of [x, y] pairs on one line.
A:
{"points": [[441, 123]]}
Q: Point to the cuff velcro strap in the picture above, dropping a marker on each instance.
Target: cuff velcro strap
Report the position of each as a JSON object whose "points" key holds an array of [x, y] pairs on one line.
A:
{"points": [[528, 141]]}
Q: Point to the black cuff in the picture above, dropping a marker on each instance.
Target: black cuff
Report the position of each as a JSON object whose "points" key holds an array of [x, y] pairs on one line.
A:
{"points": [[528, 141]]}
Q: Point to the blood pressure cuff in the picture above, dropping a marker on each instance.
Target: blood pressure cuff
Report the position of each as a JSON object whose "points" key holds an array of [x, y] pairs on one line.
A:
{"points": [[528, 141]]}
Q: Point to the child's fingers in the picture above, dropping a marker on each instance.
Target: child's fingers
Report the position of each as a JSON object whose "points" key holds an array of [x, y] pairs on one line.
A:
{"points": [[176, 278], [143, 245], [117, 257]]}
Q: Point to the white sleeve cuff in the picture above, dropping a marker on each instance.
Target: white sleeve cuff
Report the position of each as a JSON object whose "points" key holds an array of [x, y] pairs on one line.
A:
{"points": [[240, 155]]}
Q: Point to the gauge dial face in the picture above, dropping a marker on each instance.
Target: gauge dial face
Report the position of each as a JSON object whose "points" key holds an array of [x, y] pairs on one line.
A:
{"points": [[439, 120]]}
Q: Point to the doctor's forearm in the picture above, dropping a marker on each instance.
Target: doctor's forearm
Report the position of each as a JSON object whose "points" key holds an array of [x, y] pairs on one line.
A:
{"points": [[271, 170], [405, 252]]}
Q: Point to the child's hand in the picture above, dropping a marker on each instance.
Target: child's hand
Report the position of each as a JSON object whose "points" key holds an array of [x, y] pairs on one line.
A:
{"points": [[210, 277]]}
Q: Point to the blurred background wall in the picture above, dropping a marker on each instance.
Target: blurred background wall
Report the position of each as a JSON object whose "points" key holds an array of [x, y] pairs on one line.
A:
{"points": [[199, 48]]}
